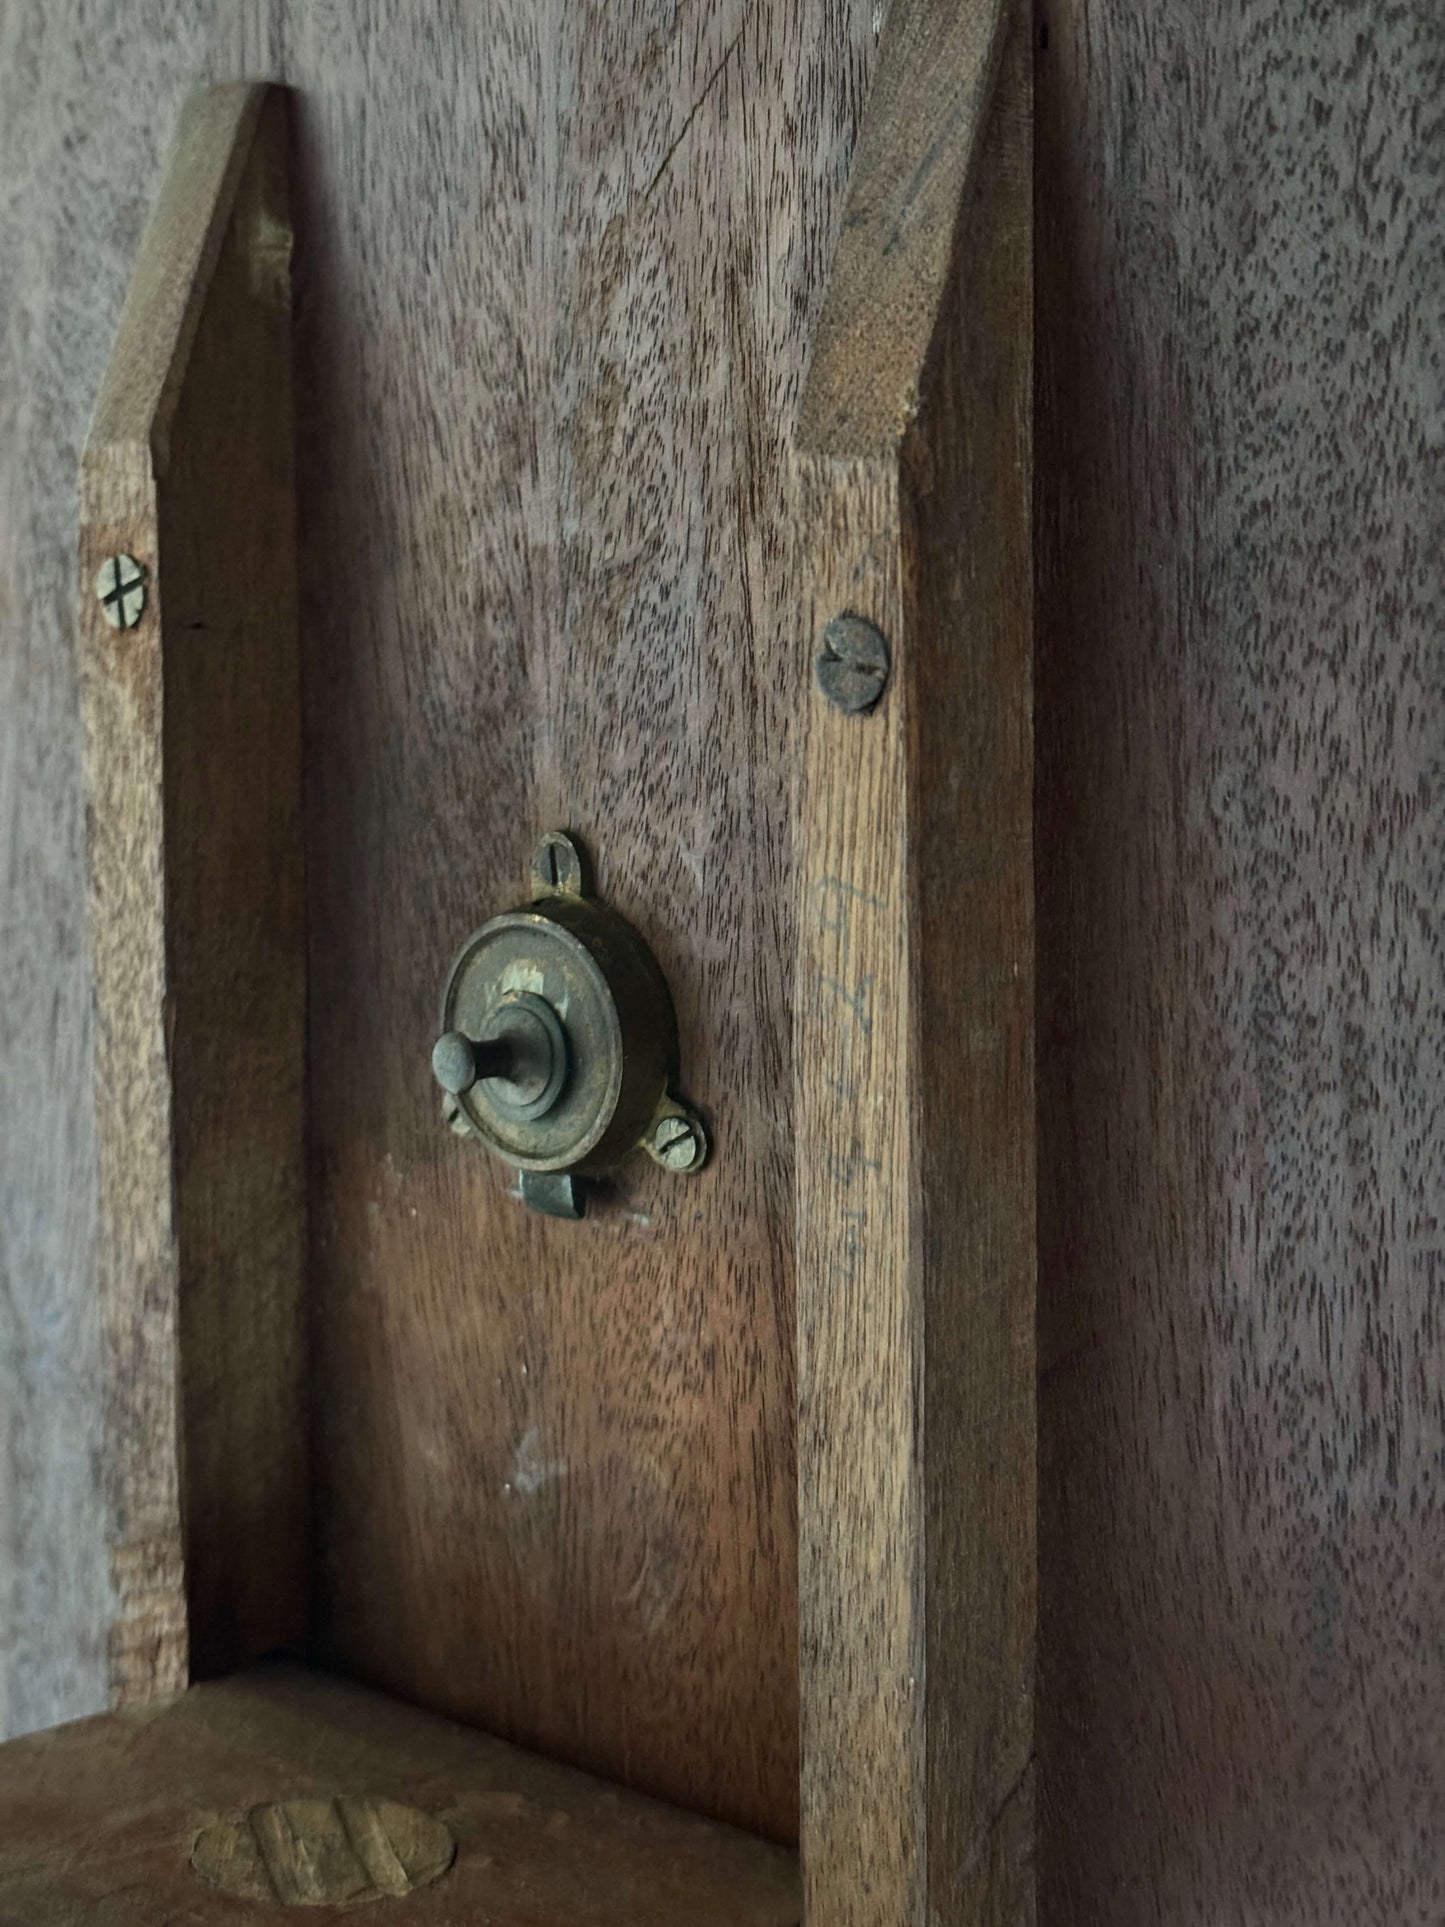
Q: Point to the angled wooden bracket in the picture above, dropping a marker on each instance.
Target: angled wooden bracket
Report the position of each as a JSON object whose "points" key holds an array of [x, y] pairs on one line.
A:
{"points": [[191, 701], [914, 1060]]}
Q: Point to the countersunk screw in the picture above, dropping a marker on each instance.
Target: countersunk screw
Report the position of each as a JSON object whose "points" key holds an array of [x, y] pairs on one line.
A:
{"points": [[854, 663], [678, 1142], [120, 584]]}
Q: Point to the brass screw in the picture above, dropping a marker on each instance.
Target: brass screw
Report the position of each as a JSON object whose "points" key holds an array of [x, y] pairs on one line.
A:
{"points": [[853, 666], [120, 584], [558, 868], [678, 1143]]}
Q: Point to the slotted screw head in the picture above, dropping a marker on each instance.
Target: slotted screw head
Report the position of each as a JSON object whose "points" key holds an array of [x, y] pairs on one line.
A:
{"points": [[558, 867], [679, 1143], [120, 585], [853, 665]]}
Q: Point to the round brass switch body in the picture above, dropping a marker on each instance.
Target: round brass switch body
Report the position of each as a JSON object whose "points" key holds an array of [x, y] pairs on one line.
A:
{"points": [[573, 1032]]}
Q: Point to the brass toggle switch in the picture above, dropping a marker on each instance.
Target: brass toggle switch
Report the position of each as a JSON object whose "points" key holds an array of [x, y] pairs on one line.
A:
{"points": [[558, 1042]]}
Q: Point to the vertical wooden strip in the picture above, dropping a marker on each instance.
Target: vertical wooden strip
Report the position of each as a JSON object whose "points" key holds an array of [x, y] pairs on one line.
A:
{"points": [[915, 1076], [860, 1322], [193, 769], [968, 539]]}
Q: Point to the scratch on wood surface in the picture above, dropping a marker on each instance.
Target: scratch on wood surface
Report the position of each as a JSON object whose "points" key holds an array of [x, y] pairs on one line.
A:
{"points": [[713, 78], [530, 1471]]}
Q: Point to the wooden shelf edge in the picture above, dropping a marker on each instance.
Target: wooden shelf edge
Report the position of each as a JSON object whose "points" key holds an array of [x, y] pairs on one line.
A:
{"points": [[98, 1819]]}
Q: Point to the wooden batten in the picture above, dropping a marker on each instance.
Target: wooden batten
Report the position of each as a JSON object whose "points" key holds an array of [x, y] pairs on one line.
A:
{"points": [[193, 771], [914, 1057]]}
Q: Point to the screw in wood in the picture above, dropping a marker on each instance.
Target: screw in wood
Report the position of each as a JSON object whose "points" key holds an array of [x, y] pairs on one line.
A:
{"points": [[558, 867], [853, 665], [120, 584], [678, 1142]]}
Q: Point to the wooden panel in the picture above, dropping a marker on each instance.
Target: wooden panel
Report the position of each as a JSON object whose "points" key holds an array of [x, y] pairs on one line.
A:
{"points": [[1239, 307], [193, 771], [1242, 1023], [559, 266], [98, 1820], [555, 294], [915, 1019]]}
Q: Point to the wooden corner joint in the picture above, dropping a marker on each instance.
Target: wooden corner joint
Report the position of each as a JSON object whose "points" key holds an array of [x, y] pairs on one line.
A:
{"points": [[915, 1012], [190, 701]]}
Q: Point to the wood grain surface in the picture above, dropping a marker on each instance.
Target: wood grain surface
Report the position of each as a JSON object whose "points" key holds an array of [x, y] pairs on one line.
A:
{"points": [[915, 1020], [559, 267], [1242, 1027], [89, 101], [100, 1819], [193, 790], [554, 304], [1239, 311]]}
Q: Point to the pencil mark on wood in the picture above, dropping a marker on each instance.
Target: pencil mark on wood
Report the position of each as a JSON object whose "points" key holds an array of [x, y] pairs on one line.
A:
{"points": [[857, 1001], [833, 899], [845, 1168]]}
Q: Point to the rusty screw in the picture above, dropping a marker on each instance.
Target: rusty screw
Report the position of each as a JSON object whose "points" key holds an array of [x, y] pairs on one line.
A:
{"points": [[853, 666], [121, 586]]}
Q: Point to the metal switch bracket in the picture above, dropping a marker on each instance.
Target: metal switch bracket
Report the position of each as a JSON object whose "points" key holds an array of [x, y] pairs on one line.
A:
{"points": [[557, 1047]]}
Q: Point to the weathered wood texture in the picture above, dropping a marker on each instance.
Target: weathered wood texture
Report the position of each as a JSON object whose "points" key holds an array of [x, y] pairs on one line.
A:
{"points": [[98, 1820], [1241, 820], [558, 268], [915, 1017], [193, 786]]}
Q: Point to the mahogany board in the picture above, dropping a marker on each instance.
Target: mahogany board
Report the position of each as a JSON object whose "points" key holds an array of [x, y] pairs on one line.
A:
{"points": [[99, 1821], [556, 271], [1240, 826], [1238, 819], [553, 298]]}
